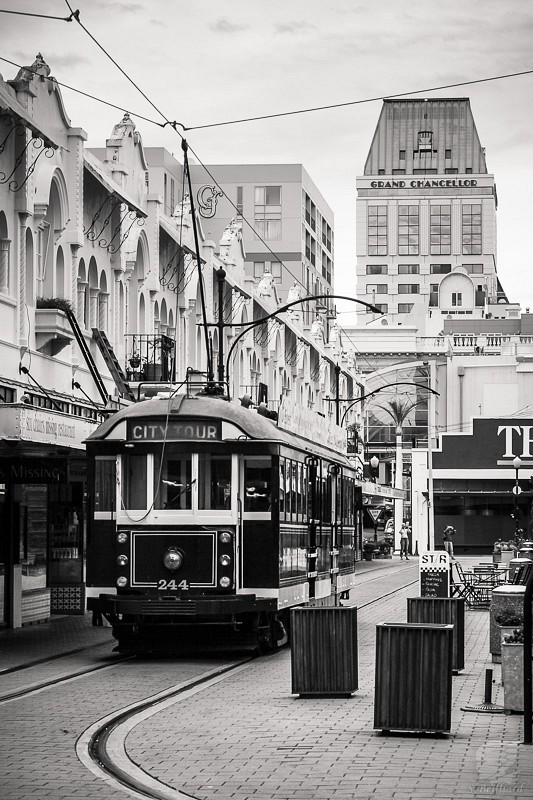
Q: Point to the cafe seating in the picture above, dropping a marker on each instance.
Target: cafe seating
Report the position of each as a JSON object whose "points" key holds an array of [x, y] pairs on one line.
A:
{"points": [[475, 588]]}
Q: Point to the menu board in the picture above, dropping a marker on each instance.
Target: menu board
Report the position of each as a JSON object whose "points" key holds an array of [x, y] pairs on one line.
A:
{"points": [[435, 574]]}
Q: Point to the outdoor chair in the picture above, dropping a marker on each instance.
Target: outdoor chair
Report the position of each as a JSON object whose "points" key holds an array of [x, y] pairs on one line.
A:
{"points": [[522, 574], [474, 588]]}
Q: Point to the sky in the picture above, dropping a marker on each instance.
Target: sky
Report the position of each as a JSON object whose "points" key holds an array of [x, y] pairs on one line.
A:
{"points": [[211, 61]]}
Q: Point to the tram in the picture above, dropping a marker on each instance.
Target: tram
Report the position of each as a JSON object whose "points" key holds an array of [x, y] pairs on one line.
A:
{"points": [[207, 517]]}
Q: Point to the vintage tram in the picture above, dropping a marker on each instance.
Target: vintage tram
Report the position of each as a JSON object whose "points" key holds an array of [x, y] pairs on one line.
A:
{"points": [[207, 517]]}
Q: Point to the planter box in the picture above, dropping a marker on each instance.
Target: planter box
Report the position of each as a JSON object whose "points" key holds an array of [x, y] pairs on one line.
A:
{"points": [[324, 650], [35, 606], [505, 630], [504, 598], [447, 610], [513, 668], [369, 556], [413, 690]]}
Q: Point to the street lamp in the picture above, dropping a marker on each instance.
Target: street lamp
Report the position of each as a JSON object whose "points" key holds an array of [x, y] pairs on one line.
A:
{"points": [[517, 463]]}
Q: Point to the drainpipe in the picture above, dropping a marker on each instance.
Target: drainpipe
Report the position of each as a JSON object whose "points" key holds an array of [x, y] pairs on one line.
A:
{"points": [[461, 374]]}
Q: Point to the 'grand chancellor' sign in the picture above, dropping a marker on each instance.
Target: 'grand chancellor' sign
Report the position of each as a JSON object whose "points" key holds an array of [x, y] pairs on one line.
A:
{"points": [[441, 183]]}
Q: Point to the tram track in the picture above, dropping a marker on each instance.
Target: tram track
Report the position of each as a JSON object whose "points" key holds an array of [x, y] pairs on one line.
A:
{"points": [[102, 747]]}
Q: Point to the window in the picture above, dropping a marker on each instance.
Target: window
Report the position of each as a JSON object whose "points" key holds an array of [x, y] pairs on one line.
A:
{"points": [[408, 269], [424, 171], [440, 269], [408, 288], [105, 483], [172, 480], [408, 230], [447, 154], [434, 295], [214, 482], [440, 230], [377, 230], [402, 155], [425, 141], [471, 228], [274, 267], [239, 201], [172, 196], [457, 299], [267, 212], [383, 308], [376, 288], [405, 308], [376, 269], [398, 172], [451, 171], [134, 472], [474, 269], [257, 484]]}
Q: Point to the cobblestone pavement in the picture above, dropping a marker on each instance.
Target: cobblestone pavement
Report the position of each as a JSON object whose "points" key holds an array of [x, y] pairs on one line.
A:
{"points": [[246, 736]]}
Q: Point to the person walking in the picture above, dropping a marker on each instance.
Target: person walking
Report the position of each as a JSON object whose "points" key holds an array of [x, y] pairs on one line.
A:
{"points": [[404, 541], [447, 541]]}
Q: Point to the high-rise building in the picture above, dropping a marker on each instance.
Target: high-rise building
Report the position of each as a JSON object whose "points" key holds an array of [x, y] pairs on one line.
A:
{"points": [[426, 217]]}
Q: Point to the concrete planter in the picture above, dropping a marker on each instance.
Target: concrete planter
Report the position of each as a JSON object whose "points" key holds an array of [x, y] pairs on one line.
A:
{"points": [[513, 669], [505, 630], [504, 598]]}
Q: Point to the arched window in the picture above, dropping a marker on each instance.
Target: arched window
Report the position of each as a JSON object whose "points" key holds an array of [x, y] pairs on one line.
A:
{"points": [[4, 255], [30, 286], [60, 274], [82, 286]]}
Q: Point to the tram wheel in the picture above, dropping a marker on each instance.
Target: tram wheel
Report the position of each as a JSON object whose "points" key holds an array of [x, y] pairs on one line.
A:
{"points": [[271, 631]]}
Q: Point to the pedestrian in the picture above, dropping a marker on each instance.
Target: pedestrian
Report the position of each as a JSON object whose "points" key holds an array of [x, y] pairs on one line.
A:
{"points": [[447, 541], [404, 541]]}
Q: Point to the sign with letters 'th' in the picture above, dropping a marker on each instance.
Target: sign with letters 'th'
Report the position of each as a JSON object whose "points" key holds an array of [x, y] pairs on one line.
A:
{"points": [[434, 574]]}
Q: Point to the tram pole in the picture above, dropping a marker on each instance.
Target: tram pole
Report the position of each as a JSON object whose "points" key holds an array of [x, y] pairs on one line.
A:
{"points": [[221, 278]]}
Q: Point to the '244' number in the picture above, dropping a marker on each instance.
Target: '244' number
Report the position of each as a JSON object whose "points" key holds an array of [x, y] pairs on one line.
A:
{"points": [[162, 584]]}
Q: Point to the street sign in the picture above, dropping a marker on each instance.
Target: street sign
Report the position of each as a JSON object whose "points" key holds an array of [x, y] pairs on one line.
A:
{"points": [[376, 514]]}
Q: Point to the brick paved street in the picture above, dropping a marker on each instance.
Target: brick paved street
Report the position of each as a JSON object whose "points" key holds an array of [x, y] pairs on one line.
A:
{"points": [[246, 736]]}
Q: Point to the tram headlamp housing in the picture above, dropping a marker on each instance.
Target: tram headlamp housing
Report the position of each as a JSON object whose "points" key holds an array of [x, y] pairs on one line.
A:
{"points": [[122, 561], [122, 582], [224, 537], [173, 559], [225, 582], [122, 537], [224, 560]]}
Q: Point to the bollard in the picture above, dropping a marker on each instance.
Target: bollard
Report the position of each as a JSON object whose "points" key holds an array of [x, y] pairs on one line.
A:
{"points": [[488, 686]]}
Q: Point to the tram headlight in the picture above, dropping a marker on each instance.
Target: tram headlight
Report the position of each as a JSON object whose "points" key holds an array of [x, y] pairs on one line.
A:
{"points": [[122, 537], [225, 582], [224, 560], [122, 582], [122, 561], [224, 537], [173, 559]]}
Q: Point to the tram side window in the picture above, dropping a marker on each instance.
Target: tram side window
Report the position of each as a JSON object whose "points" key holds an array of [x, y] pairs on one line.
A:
{"points": [[214, 482], [105, 484], [257, 484], [173, 481], [134, 473], [282, 488]]}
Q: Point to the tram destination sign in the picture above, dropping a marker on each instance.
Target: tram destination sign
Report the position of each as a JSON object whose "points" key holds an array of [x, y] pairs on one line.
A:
{"points": [[161, 430]]}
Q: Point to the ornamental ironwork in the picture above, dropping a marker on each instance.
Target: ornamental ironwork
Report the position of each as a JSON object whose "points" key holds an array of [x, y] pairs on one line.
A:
{"points": [[207, 197], [112, 241], [35, 145]]}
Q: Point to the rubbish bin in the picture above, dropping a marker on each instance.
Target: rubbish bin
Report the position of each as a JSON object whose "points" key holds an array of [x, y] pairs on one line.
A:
{"points": [[526, 551], [506, 597], [447, 610], [413, 689], [324, 650]]}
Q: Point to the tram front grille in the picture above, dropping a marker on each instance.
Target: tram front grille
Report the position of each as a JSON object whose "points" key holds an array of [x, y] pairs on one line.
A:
{"points": [[167, 608]]}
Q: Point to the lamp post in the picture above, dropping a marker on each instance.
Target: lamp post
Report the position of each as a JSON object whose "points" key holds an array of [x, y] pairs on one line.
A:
{"points": [[517, 463], [374, 464]]}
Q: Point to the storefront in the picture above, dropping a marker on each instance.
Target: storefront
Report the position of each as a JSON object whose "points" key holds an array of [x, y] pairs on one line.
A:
{"points": [[474, 481], [42, 486]]}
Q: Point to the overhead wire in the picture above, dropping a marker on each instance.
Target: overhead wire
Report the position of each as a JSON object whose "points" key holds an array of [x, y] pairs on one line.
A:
{"points": [[76, 15]]}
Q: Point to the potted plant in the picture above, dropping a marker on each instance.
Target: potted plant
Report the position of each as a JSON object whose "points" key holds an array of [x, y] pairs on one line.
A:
{"points": [[503, 552], [507, 621], [369, 550], [513, 671]]}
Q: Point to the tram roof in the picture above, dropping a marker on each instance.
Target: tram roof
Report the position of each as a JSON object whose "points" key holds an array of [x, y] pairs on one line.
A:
{"points": [[254, 425]]}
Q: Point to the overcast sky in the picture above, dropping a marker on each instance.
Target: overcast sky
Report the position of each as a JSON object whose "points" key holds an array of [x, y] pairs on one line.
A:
{"points": [[204, 61]]}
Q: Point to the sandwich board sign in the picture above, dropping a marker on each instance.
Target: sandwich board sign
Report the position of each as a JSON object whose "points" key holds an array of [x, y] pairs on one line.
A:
{"points": [[434, 570]]}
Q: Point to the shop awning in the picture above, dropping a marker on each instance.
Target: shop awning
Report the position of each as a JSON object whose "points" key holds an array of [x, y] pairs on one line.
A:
{"points": [[97, 171], [10, 103]]}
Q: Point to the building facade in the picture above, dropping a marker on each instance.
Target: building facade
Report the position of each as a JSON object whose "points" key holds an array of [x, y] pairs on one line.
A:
{"points": [[426, 217], [101, 302]]}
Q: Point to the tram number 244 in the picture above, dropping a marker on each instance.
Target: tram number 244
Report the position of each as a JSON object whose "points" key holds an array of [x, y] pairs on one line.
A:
{"points": [[162, 584]]}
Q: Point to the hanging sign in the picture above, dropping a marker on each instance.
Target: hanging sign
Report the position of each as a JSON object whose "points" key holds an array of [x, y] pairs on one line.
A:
{"points": [[434, 574], [376, 514]]}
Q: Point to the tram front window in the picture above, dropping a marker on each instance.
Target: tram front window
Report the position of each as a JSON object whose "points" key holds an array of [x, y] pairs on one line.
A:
{"points": [[173, 481], [257, 484], [214, 482], [134, 467]]}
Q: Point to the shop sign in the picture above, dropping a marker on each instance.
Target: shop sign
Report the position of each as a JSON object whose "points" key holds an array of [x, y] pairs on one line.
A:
{"points": [[310, 425], [493, 443], [160, 430], [377, 489], [442, 183], [47, 427], [33, 470], [434, 572]]}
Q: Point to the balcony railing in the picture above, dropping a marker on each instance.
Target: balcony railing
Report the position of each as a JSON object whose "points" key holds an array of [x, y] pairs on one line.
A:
{"points": [[150, 357]]}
